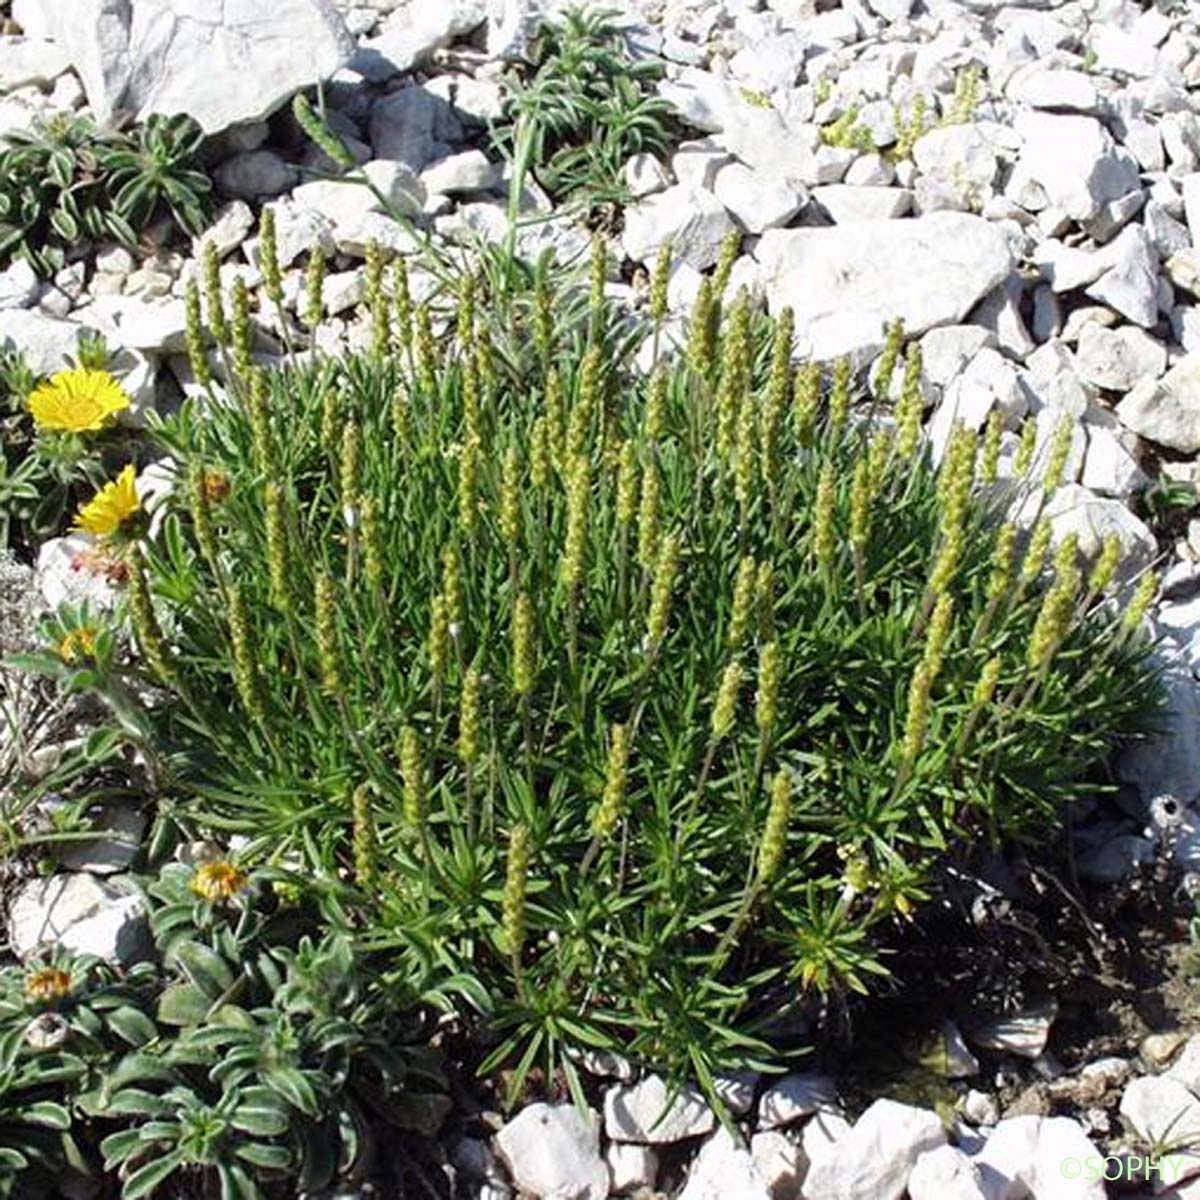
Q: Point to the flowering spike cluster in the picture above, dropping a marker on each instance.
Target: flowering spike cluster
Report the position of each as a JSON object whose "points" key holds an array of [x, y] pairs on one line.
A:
{"points": [[743, 601], [648, 517], [200, 508], [401, 416], [1057, 608], [824, 530], [516, 881], [242, 333], [665, 570], [989, 463], [452, 593], [1035, 552], [766, 699], [469, 718], [402, 304], [543, 318], [1023, 459], [1107, 562], [145, 623], [539, 454], [321, 134], [412, 772], [350, 474], [938, 634], [245, 658], [579, 486], [893, 343], [372, 539], [985, 685], [735, 375], [746, 465], [773, 845], [277, 546], [211, 266], [616, 777], [1139, 603], [468, 483], [730, 246], [260, 423], [916, 721], [656, 405], [598, 273], [658, 284], [1004, 557], [510, 498], [586, 404], [524, 655], [911, 405], [764, 588], [1060, 450], [627, 483], [806, 402], [314, 288], [268, 256], [194, 334], [860, 504], [701, 347], [465, 321], [439, 637], [325, 621], [725, 704], [839, 396], [427, 357], [365, 841]]}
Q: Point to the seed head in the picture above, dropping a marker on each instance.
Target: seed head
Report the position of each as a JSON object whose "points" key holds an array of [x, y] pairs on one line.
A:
{"points": [[725, 705], [1060, 450], [145, 623], [989, 466], [452, 586], [1139, 603], [806, 402], [1023, 459], [730, 247], [649, 517], [439, 636], [242, 331], [985, 685], [656, 405], [468, 484], [510, 498], [916, 721], [372, 537], [1035, 552], [579, 486], [839, 396], [366, 846], [938, 634]]}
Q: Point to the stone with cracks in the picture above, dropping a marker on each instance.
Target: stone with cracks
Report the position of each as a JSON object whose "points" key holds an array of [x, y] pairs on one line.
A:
{"points": [[873, 1160], [1024, 1157], [724, 1169], [795, 1097], [221, 62], [553, 1151], [1118, 359], [946, 1174], [847, 282], [104, 917], [648, 1112], [693, 221], [1167, 411]]}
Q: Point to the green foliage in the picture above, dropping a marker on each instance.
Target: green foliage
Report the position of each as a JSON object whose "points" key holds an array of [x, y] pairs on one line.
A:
{"points": [[589, 107], [256, 1054], [637, 709], [847, 133], [65, 181]]}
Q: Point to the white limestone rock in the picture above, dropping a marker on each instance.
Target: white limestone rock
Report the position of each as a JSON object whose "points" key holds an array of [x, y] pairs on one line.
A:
{"points": [[553, 1152], [1023, 1033], [44, 341], [873, 1161], [781, 1162], [946, 1174], [1130, 285], [254, 174], [1111, 466], [724, 1169], [644, 174], [646, 1112], [1167, 410], [80, 913], [845, 203], [1054, 87], [1092, 518], [693, 221], [1024, 1157], [630, 1166], [221, 62], [846, 283], [30, 62], [18, 285], [1162, 1111], [470, 171], [1118, 359], [413, 32], [962, 160], [344, 202], [758, 201], [413, 126], [794, 1097], [1073, 162]]}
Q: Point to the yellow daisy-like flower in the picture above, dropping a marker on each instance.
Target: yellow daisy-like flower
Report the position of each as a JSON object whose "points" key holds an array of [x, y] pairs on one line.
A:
{"points": [[217, 881], [78, 643], [111, 507], [48, 984], [79, 401]]}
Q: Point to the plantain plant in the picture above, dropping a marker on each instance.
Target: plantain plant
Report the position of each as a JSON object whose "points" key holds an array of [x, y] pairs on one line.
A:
{"points": [[636, 710]]}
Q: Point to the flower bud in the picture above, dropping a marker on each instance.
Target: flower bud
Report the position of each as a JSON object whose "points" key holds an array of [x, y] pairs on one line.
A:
{"points": [[314, 288]]}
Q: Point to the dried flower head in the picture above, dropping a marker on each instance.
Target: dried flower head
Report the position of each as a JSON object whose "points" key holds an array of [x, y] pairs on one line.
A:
{"points": [[47, 985], [218, 882]]}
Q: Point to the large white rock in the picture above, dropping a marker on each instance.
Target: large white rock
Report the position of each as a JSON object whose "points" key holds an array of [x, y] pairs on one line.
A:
{"points": [[945, 1174], [28, 61], [44, 341], [1073, 162], [552, 1151], [794, 1097], [1024, 1157], [1118, 359], [220, 61], [104, 917], [847, 282], [873, 1161], [757, 200], [413, 31], [647, 1112], [1167, 410], [1092, 518], [722, 1170], [1169, 765], [1130, 285], [1165, 1113], [344, 201], [693, 221]]}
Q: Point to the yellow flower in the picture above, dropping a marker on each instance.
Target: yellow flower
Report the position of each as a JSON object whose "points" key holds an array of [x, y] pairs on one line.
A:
{"points": [[217, 881], [79, 401], [109, 509], [48, 984], [78, 643]]}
